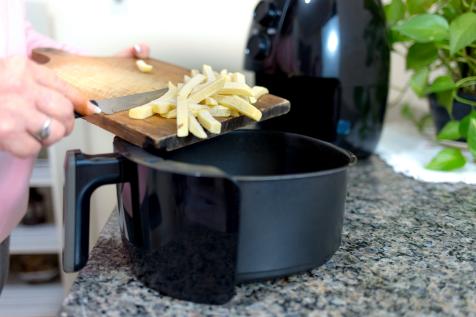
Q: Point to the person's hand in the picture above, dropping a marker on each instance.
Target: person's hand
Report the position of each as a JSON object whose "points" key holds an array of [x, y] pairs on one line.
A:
{"points": [[34, 99], [136, 51]]}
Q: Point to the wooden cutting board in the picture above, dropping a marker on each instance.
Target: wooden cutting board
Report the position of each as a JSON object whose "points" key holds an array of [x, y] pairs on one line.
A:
{"points": [[108, 77]]}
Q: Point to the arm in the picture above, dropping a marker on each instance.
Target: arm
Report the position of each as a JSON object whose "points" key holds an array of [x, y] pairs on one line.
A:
{"points": [[36, 40]]}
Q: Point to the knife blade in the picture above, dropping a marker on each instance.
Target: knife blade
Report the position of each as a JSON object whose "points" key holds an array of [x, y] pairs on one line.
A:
{"points": [[113, 105]]}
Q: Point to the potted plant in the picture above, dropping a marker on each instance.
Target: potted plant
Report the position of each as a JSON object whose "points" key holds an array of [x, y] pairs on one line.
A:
{"points": [[440, 41]]}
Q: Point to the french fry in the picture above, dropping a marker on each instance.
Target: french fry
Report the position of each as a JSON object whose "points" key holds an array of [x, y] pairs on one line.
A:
{"points": [[143, 66], [208, 71], [172, 114], [259, 91], [164, 106], [202, 97], [242, 106], [209, 101], [194, 108], [182, 116], [141, 112], [195, 128], [240, 89], [220, 111], [238, 78], [147, 110], [208, 122], [208, 90], [187, 88]]}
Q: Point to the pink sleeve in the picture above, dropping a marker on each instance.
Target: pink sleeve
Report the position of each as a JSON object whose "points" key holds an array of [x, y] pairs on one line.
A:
{"points": [[36, 40], [14, 186]]}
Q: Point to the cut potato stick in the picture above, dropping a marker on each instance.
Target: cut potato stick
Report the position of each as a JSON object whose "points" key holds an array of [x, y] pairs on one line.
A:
{"points": [[187, 88], [195, 128], [195, 108], [208, 122], [240, 105], [259, 91], [252, 100], [220, 111], [208, 90], [141, 112], [209, 73], [194, 72], [164, 106], [172, 114], [182, 116], [209, 101], [147, 110], [143, 66], [240, 89], [238, 78]]}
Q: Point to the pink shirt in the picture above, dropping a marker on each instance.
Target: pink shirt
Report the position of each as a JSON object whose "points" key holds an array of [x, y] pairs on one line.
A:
{"points": [[17, 37]]}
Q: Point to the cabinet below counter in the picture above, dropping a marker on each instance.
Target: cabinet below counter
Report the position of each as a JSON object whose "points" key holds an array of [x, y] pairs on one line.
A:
{"points": [[408, 248]]}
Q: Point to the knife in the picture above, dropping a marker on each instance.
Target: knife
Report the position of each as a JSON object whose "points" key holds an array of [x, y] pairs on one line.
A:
{"points": [[113, 105]]}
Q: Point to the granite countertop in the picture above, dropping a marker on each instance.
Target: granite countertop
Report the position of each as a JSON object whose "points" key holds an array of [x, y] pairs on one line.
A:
{"points": [[408, 248]]}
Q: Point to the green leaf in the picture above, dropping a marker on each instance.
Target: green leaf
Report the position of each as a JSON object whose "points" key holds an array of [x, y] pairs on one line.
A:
{"points": [[464, 124], [445, 98], [452, 9], [447, 160], [441, 83], [407, 112], [425, 28], [421, 55], [462, 31], [472, 137], [419, 80], [450, 131], [419, 6], [395, 11]]}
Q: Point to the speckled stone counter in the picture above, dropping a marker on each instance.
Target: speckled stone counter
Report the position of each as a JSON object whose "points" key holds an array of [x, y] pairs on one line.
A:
{"points": [[408, 249]]}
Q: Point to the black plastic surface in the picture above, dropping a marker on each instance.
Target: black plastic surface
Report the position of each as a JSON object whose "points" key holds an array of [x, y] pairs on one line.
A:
{"points": [[331, 59]]}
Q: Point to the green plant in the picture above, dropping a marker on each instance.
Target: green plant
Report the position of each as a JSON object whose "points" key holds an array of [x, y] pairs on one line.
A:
{"points": [[440, 41]]}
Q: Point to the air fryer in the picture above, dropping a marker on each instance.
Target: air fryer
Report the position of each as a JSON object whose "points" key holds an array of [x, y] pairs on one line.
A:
{"points": [[330, 58]]}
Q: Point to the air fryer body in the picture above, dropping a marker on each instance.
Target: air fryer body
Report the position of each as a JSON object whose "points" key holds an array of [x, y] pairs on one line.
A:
{"points": [[330, 58]]}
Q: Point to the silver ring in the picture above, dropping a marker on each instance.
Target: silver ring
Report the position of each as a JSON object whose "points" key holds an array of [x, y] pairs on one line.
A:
{"points": [[45, 130]]}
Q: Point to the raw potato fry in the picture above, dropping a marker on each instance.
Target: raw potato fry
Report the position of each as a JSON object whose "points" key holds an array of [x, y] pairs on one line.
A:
{"points": [[208, 122], [187, 88], [208, 90], [209, 101], [182, 116], [164, 107], [238, 78], [147, 110], [195, 127], [240, 89], [143, 66], [141, 112], [259, 91], [220, 111], [201, 98], [242, 106], [172, 114], [208, 71]]}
